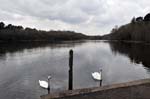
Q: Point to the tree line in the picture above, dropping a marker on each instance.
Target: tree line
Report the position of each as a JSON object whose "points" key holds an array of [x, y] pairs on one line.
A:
{"points": [[137, 30], [12, 33]]}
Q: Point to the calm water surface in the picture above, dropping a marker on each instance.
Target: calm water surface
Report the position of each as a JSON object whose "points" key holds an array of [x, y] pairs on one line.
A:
{"points": [[22, 65]]}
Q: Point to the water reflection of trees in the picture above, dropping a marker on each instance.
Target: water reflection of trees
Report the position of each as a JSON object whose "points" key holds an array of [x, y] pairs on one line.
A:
{"points": [[20, 47], [137, 52]]}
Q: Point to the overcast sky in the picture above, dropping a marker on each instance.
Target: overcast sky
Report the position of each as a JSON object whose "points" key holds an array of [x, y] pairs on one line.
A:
{"points": [[93, 17]]}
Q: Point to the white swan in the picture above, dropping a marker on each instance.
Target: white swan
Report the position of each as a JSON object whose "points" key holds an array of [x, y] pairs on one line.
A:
{"points": [[44, 84], [97, 75]]}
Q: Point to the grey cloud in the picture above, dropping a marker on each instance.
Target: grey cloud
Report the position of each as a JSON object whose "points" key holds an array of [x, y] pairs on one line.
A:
{"points": [[57, 10], [98, 15]]}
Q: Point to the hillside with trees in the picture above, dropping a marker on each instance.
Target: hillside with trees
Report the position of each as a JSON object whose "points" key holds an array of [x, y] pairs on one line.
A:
{"points": [[12, 33], [137, 30]]}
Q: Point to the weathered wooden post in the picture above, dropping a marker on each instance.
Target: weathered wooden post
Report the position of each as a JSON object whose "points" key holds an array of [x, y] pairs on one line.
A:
{"points": [[49, 86], [101, 78], [70, 83]]}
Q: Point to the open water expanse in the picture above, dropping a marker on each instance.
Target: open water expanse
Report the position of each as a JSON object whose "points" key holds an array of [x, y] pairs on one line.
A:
{"points": [[23, 65]]}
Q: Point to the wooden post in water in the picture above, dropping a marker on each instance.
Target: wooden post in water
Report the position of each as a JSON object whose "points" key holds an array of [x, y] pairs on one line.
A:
{"points": [[101, 77], [48, 86], [70, 83]]}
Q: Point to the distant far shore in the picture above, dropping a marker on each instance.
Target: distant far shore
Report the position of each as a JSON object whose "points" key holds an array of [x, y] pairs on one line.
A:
{"points": [[12, 33]]}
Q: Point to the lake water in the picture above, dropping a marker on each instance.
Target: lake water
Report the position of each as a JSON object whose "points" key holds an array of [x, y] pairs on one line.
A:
{"points": [[22, 65]]}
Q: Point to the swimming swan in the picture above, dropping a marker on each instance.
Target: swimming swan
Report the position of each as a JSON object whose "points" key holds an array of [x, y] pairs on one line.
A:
{"points": [[97, 75], [44, 84]]}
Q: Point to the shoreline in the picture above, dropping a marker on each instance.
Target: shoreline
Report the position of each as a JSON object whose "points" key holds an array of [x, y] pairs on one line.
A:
{"points": [[129, 90]]}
